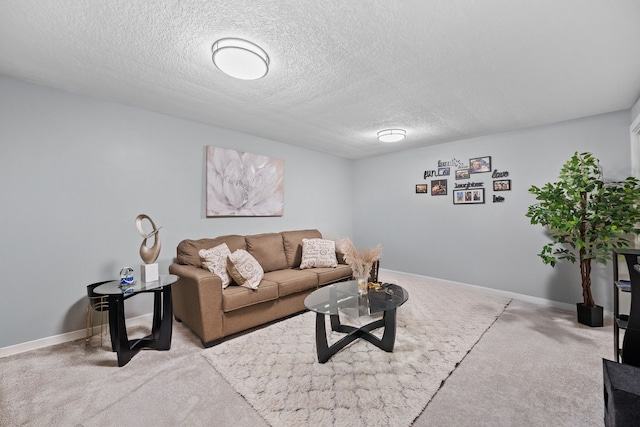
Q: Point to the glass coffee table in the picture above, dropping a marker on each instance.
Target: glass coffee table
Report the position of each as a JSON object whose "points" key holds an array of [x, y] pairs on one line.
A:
{"points": [[343, 296]]}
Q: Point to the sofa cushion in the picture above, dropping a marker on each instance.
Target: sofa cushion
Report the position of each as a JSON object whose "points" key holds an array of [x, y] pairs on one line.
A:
{"points": [[293, 244], [235, 297], [215, 260], [318, 253], [188, 249], [328, 275], [244, 269], [268, 250], [292, 281]]}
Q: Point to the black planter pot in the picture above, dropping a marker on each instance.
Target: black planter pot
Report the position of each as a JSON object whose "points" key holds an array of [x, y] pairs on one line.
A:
{"points": [[590, 316]]}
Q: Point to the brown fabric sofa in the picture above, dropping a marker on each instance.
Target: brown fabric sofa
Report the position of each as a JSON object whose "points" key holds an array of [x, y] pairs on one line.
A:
{"points": [[212, 313]]}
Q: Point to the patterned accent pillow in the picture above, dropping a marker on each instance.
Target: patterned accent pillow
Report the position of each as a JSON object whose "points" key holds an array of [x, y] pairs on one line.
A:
{"points": [[244, 269], [215, 260], [318, 253]]}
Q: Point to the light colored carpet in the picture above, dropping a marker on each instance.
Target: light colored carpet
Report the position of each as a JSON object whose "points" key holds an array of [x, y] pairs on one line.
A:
{"points": [[276, 370], [535, 366]]}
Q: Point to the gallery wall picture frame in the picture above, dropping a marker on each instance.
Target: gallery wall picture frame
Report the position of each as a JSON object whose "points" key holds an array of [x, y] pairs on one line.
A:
{"points": [[422, 189], [462, 173], [480, 164], [474, 196], [444, 171], [502, 185], [439, 187]]}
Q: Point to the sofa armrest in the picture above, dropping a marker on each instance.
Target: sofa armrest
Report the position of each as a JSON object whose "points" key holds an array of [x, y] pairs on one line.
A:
{"points": [[193, 273], [197, 301]]}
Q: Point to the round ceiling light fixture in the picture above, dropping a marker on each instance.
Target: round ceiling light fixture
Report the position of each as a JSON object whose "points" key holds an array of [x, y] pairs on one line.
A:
{"points": [[240, 58], [392, 135]]}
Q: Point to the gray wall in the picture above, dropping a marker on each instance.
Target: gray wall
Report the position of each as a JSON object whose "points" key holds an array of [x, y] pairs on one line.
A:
{"points": [[76, 171], [491, 245], [635, 110]]}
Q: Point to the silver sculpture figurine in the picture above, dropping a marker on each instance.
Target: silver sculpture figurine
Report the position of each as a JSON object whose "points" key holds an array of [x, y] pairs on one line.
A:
{"points": [[149, 254]]}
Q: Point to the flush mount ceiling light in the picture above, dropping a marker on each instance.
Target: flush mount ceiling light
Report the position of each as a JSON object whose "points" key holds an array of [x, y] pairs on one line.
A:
{"points": [[392, 135], [240, 58]]}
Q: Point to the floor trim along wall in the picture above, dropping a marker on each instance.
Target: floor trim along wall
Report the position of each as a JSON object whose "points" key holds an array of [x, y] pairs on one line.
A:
{"points": [[521, 297], [145, 319]]}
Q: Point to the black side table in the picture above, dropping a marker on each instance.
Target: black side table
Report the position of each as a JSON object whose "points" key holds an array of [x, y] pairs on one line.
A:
{"points": [[162, 327]]}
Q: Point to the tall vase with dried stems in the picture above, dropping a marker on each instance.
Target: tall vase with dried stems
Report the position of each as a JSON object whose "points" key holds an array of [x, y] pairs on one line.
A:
{"points": [[360, 262]]}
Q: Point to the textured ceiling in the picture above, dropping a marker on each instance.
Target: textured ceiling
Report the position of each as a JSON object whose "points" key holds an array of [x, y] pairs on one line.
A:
{"points": [[340, 70]]}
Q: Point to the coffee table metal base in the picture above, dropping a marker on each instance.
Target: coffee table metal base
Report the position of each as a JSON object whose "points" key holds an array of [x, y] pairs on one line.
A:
{"points": [[325, 351]]}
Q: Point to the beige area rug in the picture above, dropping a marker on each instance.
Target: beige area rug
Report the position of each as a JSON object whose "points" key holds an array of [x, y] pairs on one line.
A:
{"points": [[276, 370]]}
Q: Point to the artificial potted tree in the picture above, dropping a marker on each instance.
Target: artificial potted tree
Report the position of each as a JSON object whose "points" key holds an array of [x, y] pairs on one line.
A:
{"points": [[586, 218]]}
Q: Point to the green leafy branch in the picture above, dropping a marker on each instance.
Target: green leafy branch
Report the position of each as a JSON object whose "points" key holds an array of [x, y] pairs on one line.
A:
{"points": [[585, 216]]}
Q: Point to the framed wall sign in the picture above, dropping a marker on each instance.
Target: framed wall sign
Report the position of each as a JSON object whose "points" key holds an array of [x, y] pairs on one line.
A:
{"points": [[502, 185], [480, 164], [468, 197], [439, 187], [462, 174]]}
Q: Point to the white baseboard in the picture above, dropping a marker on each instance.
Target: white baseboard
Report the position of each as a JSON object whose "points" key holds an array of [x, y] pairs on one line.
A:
{"points": [[521, 297], [145, 319]]}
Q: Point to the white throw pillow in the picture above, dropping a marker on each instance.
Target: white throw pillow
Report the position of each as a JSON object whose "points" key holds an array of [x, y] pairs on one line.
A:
{"points": [[244, 269], [318, 253], [215, 260]]}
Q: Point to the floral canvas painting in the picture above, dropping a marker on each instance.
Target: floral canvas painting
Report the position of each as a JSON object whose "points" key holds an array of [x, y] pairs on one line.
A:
{"points": [[243, 184]]}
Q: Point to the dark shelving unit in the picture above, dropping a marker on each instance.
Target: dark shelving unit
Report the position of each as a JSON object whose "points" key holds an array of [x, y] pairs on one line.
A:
{"points": [[621, 320]]}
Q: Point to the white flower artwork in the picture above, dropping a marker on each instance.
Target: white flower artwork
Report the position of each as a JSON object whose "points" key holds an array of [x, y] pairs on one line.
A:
{"points": [[243, 184]]}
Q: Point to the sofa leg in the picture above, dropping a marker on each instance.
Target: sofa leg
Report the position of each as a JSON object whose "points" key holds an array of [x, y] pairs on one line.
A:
{"points": [[178, 319], [212, 343]]}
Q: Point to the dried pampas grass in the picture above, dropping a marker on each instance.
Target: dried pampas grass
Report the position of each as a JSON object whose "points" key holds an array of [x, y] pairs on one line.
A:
{"points": [[360, 261]]}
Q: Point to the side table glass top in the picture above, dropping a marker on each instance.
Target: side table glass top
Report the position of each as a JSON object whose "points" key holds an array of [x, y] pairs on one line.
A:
{"points": [[344, 296], [113, 287]]}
